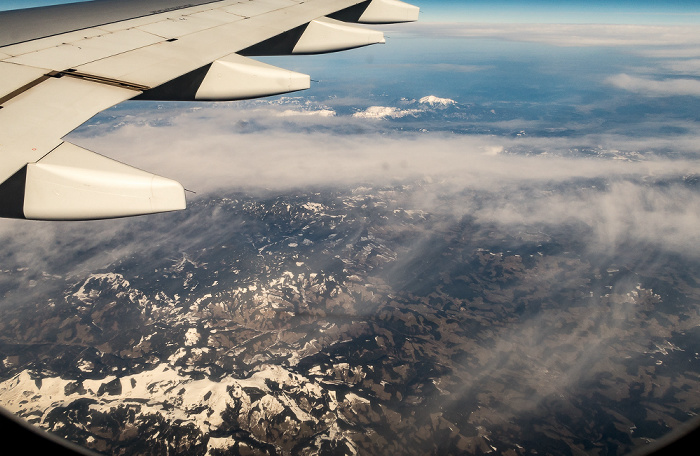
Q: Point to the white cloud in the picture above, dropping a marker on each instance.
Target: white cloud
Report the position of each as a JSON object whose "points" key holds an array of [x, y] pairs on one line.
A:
{"points": [[691, 66], [447, 67], [671, 52], [566, 34], [319, 113], [650, 87], [199, 150], [623, 211], [382, 112]]}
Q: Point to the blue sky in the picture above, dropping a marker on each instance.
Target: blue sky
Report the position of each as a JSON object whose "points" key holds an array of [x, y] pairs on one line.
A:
{"points": [[595, 11], [575, 11]]}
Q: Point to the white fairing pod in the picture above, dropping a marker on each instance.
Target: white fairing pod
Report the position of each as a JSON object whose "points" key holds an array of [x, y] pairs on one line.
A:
{"points": [[329, 35], [237, 78], [72, 183], [388, 12]]}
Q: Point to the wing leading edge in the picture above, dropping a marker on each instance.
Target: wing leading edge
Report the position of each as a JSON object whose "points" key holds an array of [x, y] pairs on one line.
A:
{"points": [[55, 77]]}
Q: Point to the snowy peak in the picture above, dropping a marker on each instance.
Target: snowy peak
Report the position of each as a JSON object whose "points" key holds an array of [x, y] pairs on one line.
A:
{"points": [[425, 104], [382, 112], [96, 284], [434, 101]]}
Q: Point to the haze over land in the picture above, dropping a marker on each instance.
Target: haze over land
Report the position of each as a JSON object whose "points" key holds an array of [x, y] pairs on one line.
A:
{"points": [[475, 238]]}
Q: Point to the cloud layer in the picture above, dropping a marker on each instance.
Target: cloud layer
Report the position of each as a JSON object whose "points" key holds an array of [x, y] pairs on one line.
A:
{"points": [[630, 190], [567, 35], [650, 87]]}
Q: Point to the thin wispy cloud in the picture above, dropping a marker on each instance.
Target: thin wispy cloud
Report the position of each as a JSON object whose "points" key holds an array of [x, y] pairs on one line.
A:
{"points": [[689, 67], [567, 35], [650, 87], [442, 67], [286, 157], [670, 52], [281, 154]]}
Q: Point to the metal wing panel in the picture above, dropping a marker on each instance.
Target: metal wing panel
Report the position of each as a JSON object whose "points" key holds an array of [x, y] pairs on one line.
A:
{"points": [[100, 30], [13, 77], [71, 54], [193, 11], [31, 24], [156, 64], [252, 9], [34, 121], [184, 25], [50, 42], [143, 43]]}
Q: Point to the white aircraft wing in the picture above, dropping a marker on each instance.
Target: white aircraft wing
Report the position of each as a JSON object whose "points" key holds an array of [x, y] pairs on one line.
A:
{"points": [[61, 65]]}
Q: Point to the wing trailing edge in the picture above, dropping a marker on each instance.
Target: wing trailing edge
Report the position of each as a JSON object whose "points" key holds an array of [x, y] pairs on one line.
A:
{"points": [[329, 35], [320, 36], [233, 77], [72, 183], [379, 12]]}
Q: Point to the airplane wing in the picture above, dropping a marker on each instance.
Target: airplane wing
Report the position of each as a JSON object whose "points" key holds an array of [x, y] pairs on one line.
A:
{"points": [[61, 65]]}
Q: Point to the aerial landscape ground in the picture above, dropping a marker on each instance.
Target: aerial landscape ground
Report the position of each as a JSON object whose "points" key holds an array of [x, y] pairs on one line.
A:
{"points": [[478, 238]]}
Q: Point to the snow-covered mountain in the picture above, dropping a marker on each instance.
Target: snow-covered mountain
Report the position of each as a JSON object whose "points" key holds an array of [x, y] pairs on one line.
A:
{"points": [[349, 323]]}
